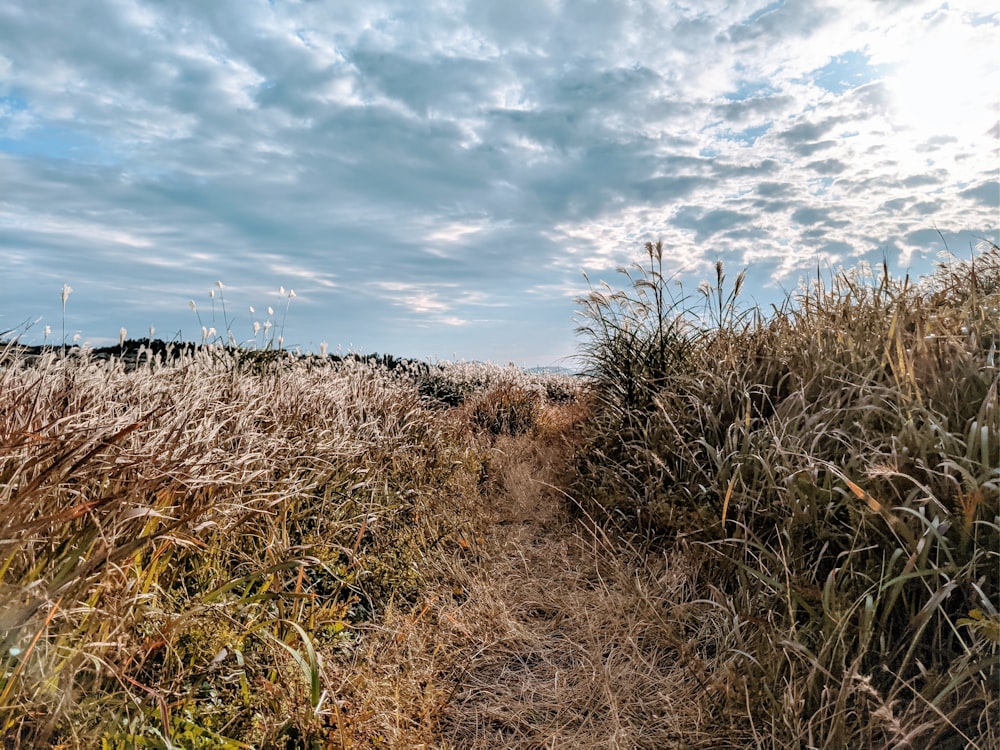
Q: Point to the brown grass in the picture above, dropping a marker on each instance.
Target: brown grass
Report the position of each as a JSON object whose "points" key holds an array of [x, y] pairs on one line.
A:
{"points": [[834, 467], [749, 533], [545, 632]]}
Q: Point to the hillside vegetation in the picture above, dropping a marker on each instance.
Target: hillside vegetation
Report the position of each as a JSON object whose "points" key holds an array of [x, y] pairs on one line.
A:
{"points": [[740, 529], [198, 550], [834, 468]]}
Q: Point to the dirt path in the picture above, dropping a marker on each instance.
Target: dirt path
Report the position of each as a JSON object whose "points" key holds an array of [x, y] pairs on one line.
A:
{"points": [[560, 639]]}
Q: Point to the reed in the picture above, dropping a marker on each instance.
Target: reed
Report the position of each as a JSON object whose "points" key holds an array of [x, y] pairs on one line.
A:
{"points": [[835, 463], [193, 543]]}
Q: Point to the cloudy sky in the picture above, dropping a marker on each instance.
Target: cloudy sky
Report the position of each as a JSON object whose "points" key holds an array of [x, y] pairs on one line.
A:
{"points": [[432, 177]]}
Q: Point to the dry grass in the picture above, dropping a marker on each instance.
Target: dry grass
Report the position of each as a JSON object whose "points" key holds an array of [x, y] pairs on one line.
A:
{"points": [[189, 550], [544, 631], [226, 548], [559, 651], [751, 532], [835, 467]]}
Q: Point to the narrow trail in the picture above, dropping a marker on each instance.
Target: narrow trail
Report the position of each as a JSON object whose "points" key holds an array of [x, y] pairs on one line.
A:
{"points": [[560, 637]]}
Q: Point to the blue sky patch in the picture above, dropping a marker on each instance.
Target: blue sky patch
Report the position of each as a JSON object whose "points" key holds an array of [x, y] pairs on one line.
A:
{"points": [[12, 103], [748, 136], [845, 72], [750, 90], [55, 142]]}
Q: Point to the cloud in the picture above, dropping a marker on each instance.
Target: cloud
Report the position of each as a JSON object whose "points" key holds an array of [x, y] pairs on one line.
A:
{"points": [[921, 180], [707, 224], [455, 165], [827, 166], [757, 109], [810, 216]]}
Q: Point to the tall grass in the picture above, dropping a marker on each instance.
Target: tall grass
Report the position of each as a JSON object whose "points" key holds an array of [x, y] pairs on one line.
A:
{"points": [[189, 546], [234, 547], [835, 465]]}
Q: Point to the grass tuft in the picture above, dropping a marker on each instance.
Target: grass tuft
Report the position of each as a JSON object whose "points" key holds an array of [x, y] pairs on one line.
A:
{"points": [[837, 465], [200, 547]]}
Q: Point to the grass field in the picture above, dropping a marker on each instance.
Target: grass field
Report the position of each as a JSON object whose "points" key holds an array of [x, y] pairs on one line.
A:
{"points": [[834, 466], [741, 529]]}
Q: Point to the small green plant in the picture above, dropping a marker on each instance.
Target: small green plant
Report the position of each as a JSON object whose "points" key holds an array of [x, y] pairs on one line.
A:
{"points": [[634, 337]]}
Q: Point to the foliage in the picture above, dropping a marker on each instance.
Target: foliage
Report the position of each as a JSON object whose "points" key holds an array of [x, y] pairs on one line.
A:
{"points": [[837, 464], [787, 534], [194, 541], [505, 409]]}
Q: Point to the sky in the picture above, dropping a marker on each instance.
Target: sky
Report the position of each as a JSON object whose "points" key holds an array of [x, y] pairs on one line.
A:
{"points": [[433, 178]]}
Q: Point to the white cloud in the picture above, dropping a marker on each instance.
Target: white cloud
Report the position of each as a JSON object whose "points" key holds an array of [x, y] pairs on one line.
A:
{"points": [[86, 232], [475, 154]]}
